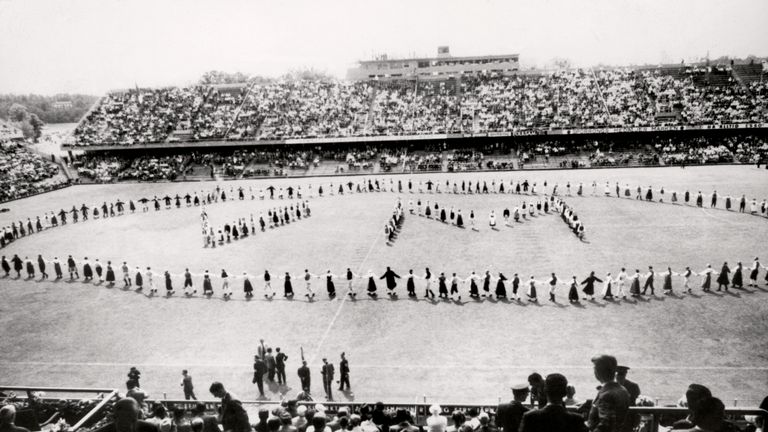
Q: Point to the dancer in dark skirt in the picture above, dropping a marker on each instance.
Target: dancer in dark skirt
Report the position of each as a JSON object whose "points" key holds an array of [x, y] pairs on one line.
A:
{"points": [[442, 290], [738, 280], [329, 285], [110, 274], [589, 282], [573, 291], [371, 284], [501, 290], [722, 279], [287, 287], [168, 284], [707, 273], [207, 285], [472, 279], [410, 286], [634, 288], [247, 286], [87, 272]]}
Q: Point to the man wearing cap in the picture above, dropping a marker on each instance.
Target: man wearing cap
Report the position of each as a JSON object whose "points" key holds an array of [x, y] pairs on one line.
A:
{"points": [[509, 415], [233, 417], [327, 372], [611, 405], [553, 417], [344, 371], [632, 388]]}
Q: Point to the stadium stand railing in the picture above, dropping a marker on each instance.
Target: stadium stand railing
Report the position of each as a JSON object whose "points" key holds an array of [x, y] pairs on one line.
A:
{"points": [[650, 417], [28, 417]]}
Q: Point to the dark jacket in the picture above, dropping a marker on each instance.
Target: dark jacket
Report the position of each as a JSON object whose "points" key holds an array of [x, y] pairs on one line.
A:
{"points": [[233, 415], [390, 276], [552, 418], [609, 408], [509, 415]]}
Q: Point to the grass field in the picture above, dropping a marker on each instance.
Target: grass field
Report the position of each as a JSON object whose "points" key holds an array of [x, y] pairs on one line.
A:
{"points": [[75, 334]]}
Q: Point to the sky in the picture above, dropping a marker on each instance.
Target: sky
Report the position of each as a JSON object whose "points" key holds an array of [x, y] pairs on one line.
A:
{"points": [[92, 46]]}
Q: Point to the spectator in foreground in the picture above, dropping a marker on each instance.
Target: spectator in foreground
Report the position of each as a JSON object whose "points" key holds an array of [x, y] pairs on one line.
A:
{"points": [[8, 418], [233, 416], [553, 417], [126, 418], [509, 415], [611, 405], [693, 396], [709, 416], [436, 422], [207, 423]]}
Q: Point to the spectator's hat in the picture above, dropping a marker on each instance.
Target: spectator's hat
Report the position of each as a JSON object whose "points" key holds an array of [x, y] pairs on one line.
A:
{"points": [[622, 369], [520, 388]]}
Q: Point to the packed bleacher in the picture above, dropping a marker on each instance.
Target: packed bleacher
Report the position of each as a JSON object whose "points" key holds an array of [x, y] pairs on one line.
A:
{"points": [[24, 173], [299, 108]]}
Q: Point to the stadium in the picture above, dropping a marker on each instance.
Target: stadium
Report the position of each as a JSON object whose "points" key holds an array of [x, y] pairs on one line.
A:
{"points": [[459, 230]]}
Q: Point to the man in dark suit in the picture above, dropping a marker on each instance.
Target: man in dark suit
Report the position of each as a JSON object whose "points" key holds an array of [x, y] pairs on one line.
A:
{"points": [[304, 376], [634, 392], [327, 373], [611, 405], [508, 415], [234, 418], [553, 417], [259, 369]]}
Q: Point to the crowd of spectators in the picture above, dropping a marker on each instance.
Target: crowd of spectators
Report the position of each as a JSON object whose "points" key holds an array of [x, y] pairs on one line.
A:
{"points": [[300, 108], [543, 403], [24, 173]]}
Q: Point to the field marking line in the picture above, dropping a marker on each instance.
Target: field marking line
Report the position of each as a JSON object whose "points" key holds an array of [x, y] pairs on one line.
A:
{"points": [[343, 301], [383, 366]]}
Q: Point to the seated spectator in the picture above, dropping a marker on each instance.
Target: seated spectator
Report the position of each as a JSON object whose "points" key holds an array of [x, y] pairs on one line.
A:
{"points": [[459, 419], [126, 418], [693, 396], [709, 416], [570, 400], [319, 424], [161, 419], [206, 423], [436, 422], [261, 426], [8, 418], [181, 421], [553, 417], [485, 423]]}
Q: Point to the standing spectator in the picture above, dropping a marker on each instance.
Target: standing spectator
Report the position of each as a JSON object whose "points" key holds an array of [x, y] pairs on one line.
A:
{"points": [[233, 416], [7, 419], [611, 405], [186, 384], [632, 388], [259, 369], [509, 415], [134, 375], [553, 417], [280, 359], [327, 373], [304, 376], [344, 372], [537, 389], [269, 359]]}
